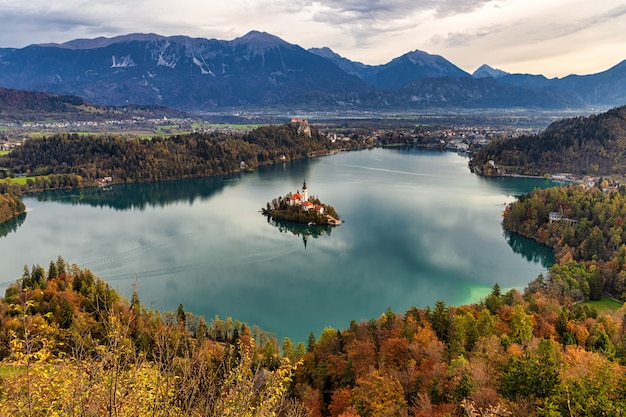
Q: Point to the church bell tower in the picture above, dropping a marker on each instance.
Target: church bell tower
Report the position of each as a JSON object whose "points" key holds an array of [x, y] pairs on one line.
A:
{"points": [[305, 192]]}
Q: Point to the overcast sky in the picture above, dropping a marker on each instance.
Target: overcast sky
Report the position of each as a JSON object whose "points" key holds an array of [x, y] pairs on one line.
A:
{"points": [[550, 37]]}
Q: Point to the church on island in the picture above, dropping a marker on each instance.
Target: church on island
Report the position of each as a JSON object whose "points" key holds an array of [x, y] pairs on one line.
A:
{"points": [[301, 208], [302, 200]]}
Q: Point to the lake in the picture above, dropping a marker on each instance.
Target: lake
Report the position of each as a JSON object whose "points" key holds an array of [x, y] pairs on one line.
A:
{"points": [[418, 227]]}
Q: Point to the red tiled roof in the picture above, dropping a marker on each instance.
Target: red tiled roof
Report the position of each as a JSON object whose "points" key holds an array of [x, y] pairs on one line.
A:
{"points": [[296, 196]]}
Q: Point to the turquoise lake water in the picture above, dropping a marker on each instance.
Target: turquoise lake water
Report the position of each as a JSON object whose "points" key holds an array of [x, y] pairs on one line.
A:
{"points": [[418, 227]]}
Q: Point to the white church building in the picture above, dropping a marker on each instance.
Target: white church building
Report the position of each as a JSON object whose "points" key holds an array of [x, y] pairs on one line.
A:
{"points": [[302, 199]]}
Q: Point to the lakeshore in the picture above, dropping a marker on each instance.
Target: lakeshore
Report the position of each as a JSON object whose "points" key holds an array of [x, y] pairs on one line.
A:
{"points": [[417, 227]]}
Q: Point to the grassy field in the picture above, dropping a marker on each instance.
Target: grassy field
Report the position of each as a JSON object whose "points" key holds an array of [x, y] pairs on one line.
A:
{"points": [[604, 304], [244, 127], [19, 180], [2, 153], [164, 130], [169, 130]]}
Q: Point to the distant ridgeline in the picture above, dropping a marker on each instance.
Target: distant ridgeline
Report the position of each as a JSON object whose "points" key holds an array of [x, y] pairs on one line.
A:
{"points": [[301, 208], [31, 106]]}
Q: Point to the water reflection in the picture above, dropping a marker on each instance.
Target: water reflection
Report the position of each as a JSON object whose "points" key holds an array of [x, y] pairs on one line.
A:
{"points": [[140, 196], [530, 250], [12, 224], [300, 229], [511, 186], [162, 194]]}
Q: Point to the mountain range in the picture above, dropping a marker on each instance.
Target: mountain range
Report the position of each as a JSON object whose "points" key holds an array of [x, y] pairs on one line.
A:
{"points": [[260, 70]]}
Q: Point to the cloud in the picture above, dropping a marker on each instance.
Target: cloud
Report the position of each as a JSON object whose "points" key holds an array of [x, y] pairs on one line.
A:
{"points": [[40, 21], [591, 22], [365, 25], [465, 38], [369, 10], [448, 8], [609, 15], [53, 21]]}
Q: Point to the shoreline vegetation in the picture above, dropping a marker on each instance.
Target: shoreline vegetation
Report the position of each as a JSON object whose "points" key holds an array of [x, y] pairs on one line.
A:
{"points": [[310, 217], [71, 340], [11, 206], [300, 208], [585, 228]]}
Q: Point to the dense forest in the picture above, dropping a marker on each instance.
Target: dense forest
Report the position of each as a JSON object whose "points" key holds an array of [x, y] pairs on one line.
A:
{"points": [[587, 233], [71, 345], [10, 203], [145, 160], [594, 145], [27, 105]]}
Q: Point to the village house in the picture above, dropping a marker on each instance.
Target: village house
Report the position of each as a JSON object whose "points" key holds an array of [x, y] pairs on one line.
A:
{"points": [[589, 181], [555, 216]]}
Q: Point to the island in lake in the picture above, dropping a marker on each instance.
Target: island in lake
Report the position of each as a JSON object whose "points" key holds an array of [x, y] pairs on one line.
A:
{"points": [[301, 208]]}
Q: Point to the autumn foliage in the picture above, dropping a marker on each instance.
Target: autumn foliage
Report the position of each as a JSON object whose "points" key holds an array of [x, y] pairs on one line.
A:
{"points": [[72, 346]]}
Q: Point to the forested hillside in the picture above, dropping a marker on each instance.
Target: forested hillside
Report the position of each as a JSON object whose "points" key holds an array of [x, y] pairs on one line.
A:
{"points": [[583, 145], [21, 105], [587, 233], [71, 345], [37, 102], [126, 160]]}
